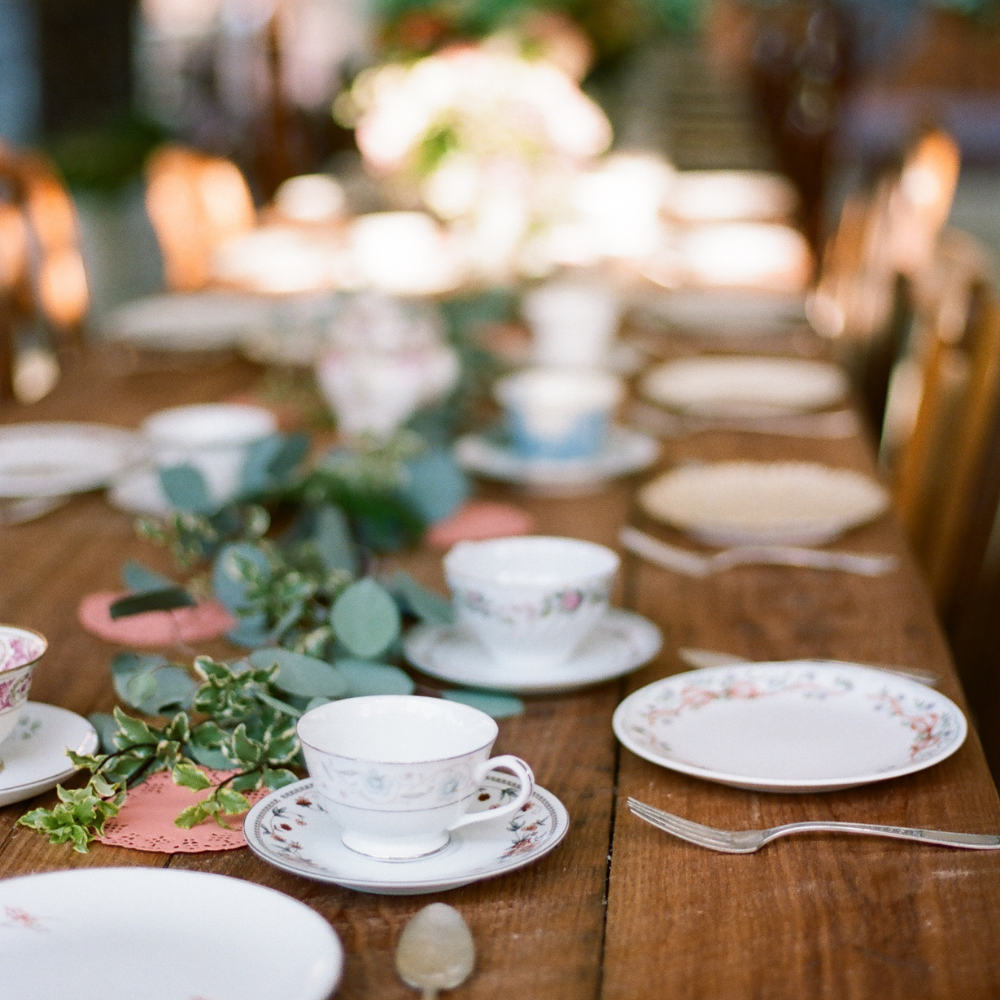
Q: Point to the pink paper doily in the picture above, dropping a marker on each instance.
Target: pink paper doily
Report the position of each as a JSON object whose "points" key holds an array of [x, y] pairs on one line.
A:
{"points": [[146, 821], [479, 519], [154, 628]]}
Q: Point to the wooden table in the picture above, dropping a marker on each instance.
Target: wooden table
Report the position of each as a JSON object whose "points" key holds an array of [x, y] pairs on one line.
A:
{"points": [[619, 910]]}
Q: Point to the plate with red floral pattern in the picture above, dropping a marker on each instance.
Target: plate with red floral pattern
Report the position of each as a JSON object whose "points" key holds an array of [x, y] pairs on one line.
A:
{"points": [[291, 829], [794, 726]]}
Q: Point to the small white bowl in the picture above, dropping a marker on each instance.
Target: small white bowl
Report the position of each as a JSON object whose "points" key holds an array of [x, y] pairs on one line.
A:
{"points": [[213, 437], [531, 600], [20, 650]]}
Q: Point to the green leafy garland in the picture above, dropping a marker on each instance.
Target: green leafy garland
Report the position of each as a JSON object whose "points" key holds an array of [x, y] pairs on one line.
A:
{"points": [[316, 624]]}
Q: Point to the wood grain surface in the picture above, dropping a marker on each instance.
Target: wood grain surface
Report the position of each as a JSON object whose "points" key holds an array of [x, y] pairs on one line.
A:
{"points": [[619, 910]]}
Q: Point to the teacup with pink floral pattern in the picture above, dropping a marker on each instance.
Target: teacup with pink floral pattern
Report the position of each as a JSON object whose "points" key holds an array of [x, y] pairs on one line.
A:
{"points": [[530, 600], [20, 650]]}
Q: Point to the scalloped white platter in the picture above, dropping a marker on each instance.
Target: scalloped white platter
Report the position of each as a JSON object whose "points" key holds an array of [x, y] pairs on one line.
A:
{"points": [[291, 830], [737, 386], [620, 643], [162, 934], [795, 726], [33, 757], [763, 503], [53, 459], [627, 451]]}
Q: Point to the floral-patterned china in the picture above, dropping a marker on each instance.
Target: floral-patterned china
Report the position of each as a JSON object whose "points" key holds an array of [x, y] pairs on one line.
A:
{"points": [[162, 934], [621, 642], [531, 600], [399, 772], [292, 830], [626, 452], [20, 650], [53, 459], [33, 759], [794, 726]]}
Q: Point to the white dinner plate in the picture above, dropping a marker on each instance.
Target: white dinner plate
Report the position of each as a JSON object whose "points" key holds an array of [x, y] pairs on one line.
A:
{"points": [[161, 934], [620, 643], [53, 459], [290, 829], [732, 386], [765, 503], [627, 451], [193, 321], [734, 314], [798, 726], [33, 757]]}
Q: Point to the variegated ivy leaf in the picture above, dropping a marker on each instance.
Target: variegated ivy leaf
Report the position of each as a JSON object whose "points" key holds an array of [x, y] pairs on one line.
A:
{"points": [[190, 777], [300, 675]]}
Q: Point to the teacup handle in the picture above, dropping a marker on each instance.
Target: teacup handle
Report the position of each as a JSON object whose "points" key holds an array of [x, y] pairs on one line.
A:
{"points": [[521, 770]]}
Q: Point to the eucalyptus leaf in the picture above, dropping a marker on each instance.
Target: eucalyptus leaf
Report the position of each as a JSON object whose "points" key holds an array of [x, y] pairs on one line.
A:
{"points": [[151, 600], [256, 476], [365, 677], [227, 583], [171, 687], [316, 702], [301, 675], [106, 727], [427, 605], [365, 618], [333, 540], [186, 489], [436, 487], [138, 688], [281, 706], [500, 706], [138, 578]]}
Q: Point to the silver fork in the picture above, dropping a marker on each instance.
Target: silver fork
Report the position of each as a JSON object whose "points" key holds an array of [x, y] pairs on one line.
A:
{"points": [[748, 841], [692, 564]]}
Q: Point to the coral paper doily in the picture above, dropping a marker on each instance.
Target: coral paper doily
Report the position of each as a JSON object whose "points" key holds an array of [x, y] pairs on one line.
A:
{"points": [[146, 821], [208, 620], [477, 520]]}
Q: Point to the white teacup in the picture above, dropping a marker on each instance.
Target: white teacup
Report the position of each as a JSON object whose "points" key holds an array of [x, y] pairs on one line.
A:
{"points": [[213, 437], [559, 413], [572, 323], [400, 772], [531, 600], [20, 650]]}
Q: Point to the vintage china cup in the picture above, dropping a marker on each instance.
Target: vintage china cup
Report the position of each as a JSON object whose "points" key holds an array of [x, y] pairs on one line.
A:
{"points": [[213, 437], [572, 324], [531, 600], [20, 650], [399, 772], [558, 413]]}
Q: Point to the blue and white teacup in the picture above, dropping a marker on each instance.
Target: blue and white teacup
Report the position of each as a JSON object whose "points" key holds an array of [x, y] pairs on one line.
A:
{"points": [[530, 600], [399, 773], [559, 413]]}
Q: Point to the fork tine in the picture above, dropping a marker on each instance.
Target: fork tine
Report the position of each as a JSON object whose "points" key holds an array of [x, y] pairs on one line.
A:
{"points": [[705, 836]]}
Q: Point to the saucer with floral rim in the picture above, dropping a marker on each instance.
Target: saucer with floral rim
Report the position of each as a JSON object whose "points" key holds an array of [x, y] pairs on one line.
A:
{"points": [[33, 758], [292, 830], [621, 642]]}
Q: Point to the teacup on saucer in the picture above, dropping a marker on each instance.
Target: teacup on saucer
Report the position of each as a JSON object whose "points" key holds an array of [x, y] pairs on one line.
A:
{"points": [[530, 600], [400, 772], [20, 650]]}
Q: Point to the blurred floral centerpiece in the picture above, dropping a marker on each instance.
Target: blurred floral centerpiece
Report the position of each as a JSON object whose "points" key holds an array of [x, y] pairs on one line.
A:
{"points": [[483, 132]]}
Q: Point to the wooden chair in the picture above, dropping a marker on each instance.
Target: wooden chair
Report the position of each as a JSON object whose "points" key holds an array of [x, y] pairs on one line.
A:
{"points": [[195, 203], [947, 486]]}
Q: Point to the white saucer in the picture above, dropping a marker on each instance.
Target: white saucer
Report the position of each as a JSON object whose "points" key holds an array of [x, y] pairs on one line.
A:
{"points": [[291, 830], [53, 459], [34, 755], [161, 934], [622, 642], [627, 451]]}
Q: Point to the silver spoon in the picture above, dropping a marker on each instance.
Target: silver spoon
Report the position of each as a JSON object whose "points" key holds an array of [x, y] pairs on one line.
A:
{"points": [[436, 951]]}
